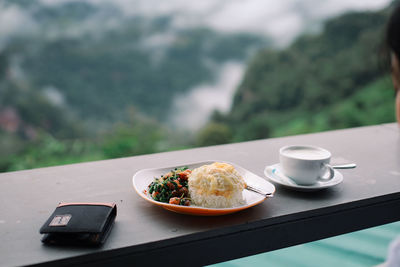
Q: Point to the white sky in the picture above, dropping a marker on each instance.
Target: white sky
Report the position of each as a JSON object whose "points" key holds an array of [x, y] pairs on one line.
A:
{"points": [[280, 19]]}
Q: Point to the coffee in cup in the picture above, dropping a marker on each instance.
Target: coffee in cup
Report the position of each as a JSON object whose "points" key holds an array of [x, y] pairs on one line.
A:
{"points": [[306, 165]]}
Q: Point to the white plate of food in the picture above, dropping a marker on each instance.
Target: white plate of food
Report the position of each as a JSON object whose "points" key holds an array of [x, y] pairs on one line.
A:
{"points": [[225, 190]]}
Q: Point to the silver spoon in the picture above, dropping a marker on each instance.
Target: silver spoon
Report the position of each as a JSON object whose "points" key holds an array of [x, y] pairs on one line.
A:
{"points": [[345, 166], [256, 190]]}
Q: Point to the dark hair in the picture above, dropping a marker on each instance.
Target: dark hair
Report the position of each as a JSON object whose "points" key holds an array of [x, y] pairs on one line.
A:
{"points": [[393, 32]]}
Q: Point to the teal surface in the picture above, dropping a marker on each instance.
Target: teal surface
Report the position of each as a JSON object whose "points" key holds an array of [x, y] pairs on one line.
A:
{"points": [[362, 248]]}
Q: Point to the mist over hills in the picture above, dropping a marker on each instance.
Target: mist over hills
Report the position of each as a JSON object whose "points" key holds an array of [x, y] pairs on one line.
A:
{"points": [[336, 79], [100, 58], [99, 70], [87, 80]]}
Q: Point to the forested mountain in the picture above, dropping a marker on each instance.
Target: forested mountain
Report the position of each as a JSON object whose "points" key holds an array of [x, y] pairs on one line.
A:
{"points": [[80, 82], [101, 62], [331, 80]]}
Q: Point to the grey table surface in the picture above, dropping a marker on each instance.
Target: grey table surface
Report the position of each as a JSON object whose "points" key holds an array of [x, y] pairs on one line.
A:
{"points": [[144, 233]]}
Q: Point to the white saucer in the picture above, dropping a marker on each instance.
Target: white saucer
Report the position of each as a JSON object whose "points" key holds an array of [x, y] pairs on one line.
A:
{"points": [[274, 173]]}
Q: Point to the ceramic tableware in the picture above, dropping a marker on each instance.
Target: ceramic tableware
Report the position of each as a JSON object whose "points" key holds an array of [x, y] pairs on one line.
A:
{"points": [[275, 175], [306, 165], [143, 178]]}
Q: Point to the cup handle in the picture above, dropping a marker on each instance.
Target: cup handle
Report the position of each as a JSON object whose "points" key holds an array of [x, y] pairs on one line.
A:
{"points": [[326, 178]]}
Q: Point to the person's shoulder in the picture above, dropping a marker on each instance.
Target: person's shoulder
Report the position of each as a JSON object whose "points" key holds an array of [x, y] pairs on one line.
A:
{"points": [[393, 258]]}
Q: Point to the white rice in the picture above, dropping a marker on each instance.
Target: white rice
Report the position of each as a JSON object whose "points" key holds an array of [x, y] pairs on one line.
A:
{"points": [[211, 201], [217, 185]]}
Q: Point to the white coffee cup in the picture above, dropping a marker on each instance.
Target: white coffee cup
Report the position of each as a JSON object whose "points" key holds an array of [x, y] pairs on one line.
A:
{"points": [[306, 165]]}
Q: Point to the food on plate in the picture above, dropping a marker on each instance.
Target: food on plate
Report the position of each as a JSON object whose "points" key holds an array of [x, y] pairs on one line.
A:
{"points": [[217, 185], [172, 187]]}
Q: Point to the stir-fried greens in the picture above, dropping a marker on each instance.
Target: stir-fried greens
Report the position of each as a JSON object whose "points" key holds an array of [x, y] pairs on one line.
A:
{"points": [[172, 187]]}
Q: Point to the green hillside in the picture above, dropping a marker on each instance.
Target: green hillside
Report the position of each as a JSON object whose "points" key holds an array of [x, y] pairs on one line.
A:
{"points": [[335, 79], [101, 71], [74, 93], [86, 82]]}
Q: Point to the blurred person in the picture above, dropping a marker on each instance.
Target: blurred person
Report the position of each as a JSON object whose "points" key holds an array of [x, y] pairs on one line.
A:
{"points": [[393, 46]]}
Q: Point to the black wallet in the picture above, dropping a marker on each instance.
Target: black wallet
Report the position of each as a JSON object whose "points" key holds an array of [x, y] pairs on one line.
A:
{"points": [[86, 224]]}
